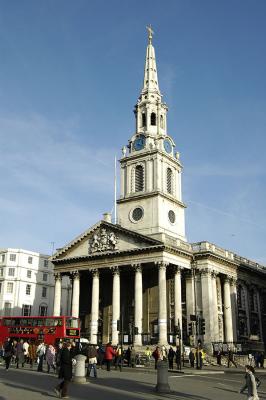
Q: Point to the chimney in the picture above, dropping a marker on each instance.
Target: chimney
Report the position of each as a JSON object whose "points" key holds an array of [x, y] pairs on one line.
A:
{"points": [[107, 217]]}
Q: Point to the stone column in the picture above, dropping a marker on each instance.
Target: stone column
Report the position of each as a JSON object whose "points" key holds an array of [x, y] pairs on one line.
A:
{"points": [[215, 307], [162, 315], [138, 304], [94, 306], [75, 294], [233, 290], [228, 311], [190, 295], [178, 298], [115, 304], [149, 175], [57, 295], [122, 181], [247, 307], [207, 303]]}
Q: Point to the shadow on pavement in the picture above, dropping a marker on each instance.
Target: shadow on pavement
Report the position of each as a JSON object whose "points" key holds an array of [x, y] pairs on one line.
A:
{"points": [[20, 387]]}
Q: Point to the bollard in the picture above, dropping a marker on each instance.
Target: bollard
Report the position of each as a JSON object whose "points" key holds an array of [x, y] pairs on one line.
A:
{"points": [[79, 375], [162, 377]]}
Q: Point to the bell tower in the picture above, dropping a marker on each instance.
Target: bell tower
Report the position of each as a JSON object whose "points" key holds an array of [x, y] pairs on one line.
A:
{"points": [[151, 198]]}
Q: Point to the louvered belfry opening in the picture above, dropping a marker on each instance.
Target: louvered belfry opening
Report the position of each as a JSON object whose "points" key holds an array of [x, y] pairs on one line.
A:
{"points": [[153, 119], [139, 178], [169, 181]]}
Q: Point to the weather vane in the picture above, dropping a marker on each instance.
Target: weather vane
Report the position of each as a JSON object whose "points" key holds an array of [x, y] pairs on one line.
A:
{"points": [[151, 32]]}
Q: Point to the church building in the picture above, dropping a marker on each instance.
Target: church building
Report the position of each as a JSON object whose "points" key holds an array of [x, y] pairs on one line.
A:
{"points": [[139, 280]]}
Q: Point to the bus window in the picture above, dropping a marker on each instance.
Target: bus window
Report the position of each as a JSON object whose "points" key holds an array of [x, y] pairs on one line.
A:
{"points": [[17, 321], [72, 323], [50, 322]]}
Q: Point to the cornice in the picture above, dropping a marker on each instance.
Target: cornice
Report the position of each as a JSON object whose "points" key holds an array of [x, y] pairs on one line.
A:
{"points": [[139, 196], [144, 153]]}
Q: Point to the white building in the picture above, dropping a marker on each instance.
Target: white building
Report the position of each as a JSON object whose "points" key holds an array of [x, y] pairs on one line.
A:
{"points": [[27, 284]]}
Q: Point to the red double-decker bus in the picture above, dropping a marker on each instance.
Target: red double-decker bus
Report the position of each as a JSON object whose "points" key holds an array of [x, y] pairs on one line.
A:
{"points": [[48, 329]]}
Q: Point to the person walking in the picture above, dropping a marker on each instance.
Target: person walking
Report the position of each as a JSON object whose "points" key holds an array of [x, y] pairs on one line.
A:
{"points": [[250, 384], [65, 372], [40, 354], [32, 353], [100, 356], [178, 358], [109, 354], [58, 354], [231, 359], [191, 358], [148, 355], [171, 356], [19, 352], [219, 358], [92, 360], [50, 357], [26, 351], [118, 358], [132, 357], [8, 352], [156, 355]]}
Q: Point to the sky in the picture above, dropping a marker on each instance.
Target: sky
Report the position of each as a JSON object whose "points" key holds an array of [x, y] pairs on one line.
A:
{"points": [[70, 75]]}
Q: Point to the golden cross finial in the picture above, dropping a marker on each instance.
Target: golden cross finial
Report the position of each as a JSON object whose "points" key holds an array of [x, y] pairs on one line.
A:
{"points": [[151, 32]]}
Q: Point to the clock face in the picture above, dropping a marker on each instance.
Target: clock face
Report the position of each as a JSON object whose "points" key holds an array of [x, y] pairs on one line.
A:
{"points": [[139, 143], [167, 145]]}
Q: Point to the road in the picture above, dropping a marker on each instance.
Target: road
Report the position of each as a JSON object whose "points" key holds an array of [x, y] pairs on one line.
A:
{"points": [[31, 385]]}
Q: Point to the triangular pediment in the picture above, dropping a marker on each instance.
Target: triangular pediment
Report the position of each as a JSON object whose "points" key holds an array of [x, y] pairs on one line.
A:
{"points": [[104, 237]]}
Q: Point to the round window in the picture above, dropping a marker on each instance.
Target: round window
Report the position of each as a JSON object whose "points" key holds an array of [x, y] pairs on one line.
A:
{"points": [[171, 216], [137, 214]]}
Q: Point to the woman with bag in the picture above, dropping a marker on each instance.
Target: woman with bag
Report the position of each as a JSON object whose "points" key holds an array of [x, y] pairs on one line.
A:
{"points": [[251, 384]]}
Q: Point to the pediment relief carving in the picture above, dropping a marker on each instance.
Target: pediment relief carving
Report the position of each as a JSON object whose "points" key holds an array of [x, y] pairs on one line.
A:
{"points": [[102, 240]]}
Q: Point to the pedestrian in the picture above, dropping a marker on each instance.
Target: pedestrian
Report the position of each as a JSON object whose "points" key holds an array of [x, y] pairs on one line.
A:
{"points": [[178, 358], [231, 359], [156, 355], [26, 351], [199, 360], [132, 357], [164, 353], [109, 354], [127, 356], [8, 352], [118, 358], [148, 355], [19, 352], [58, 357], [40, 352], [50, 357], [250, 384], [171, 356], [219, 357], [32, 353], [100, 355], [65, 373], [92, 360], [191, 358]]}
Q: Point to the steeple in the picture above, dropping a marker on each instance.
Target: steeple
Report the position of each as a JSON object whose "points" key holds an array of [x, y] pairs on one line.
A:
{"points": [[150, 81]]}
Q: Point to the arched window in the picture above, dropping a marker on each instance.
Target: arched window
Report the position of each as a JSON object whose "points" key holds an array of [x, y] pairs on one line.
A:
{"points": [[153, 119], [143, 119], [169, 180], [139, 178]]}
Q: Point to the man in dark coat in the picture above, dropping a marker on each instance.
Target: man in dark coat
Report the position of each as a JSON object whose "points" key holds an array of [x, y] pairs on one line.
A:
{"points": [[65, 371], [171, 356], [8, 352]]}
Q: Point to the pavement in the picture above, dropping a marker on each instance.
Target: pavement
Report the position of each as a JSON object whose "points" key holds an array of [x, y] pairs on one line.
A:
{"points": [[130, 384]]}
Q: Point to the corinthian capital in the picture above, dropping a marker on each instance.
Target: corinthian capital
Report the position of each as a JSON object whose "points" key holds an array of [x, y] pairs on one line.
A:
{"points": [[162, 265], [115, 270], [75, 274], [95, 272], [137, 267], [57, 276]]}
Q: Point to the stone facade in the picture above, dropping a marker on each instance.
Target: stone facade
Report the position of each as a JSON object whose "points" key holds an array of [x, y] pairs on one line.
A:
{"points": [[140, 276]]}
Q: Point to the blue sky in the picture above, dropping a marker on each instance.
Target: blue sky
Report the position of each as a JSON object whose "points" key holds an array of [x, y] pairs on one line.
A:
{"points": [[70, 75]]}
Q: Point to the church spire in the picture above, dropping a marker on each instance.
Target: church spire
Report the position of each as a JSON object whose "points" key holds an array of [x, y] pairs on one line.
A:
{"points": [[150, 81]]}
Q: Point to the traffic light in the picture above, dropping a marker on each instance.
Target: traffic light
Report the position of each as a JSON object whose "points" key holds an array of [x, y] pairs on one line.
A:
{"points": [[202, 327], [118, 325], [190, 329], [136, 330]]}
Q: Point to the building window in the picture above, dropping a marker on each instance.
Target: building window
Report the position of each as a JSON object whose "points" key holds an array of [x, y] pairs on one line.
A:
{"points": [[28, 289], [169, 180], [28, 273], [29, 260], [1, 272], [3, 258], [7, 309], [9, 288], [11, 271], [26, 310], [46, 263], [143, 119], [44, 277], [139, 178], [153, 119], [43, 310], [44, 292], [12, 257]]}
